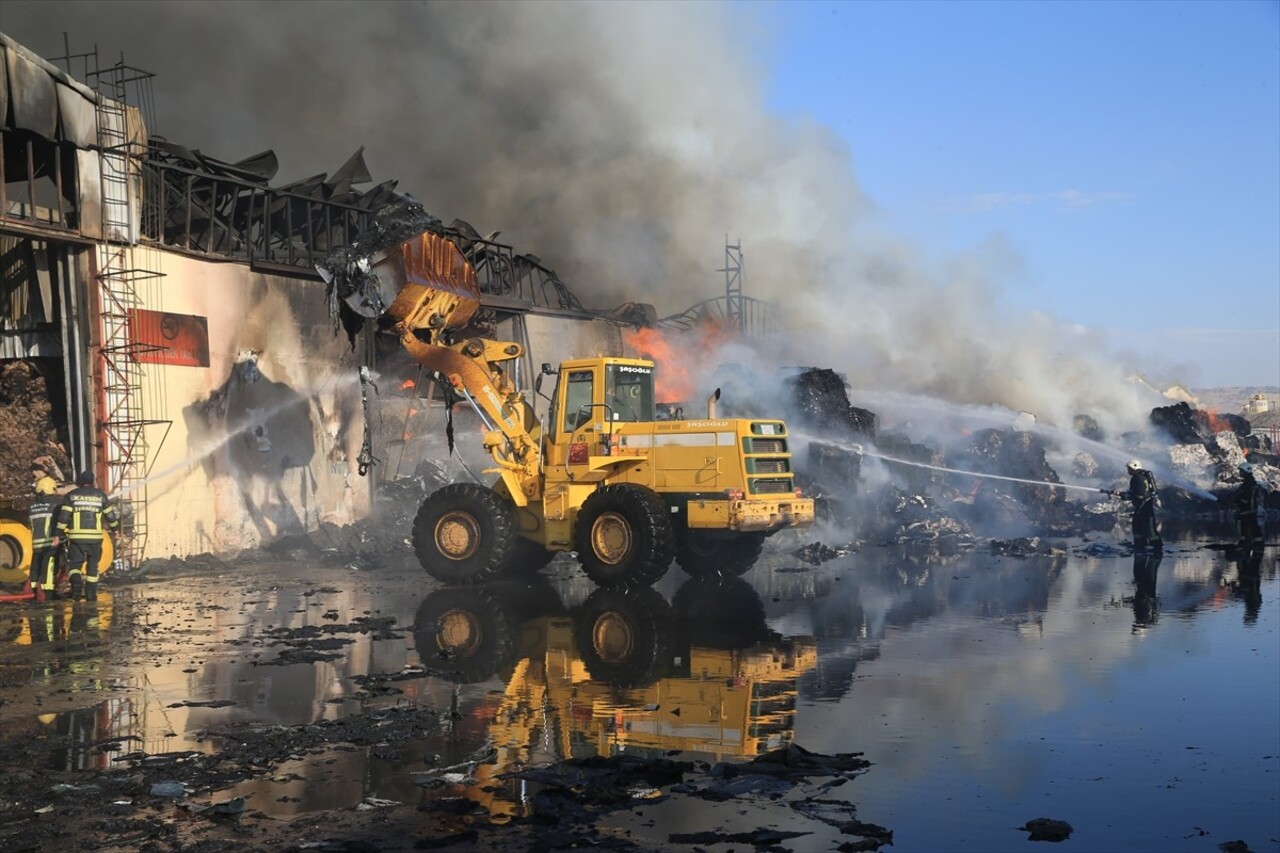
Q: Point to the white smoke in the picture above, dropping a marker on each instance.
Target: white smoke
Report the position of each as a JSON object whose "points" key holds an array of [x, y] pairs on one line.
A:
{"points": [[620, 142]]}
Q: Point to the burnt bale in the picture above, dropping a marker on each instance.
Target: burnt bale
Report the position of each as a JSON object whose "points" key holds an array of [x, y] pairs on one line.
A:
{"points": [[1181, 423], [1086, 427], [1215, 422], [1009, 453], [898, 446], [821, 401]]}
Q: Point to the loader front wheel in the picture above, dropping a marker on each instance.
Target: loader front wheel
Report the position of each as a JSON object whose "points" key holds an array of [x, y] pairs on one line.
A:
{"points": [[624, 536], [706, 555], [464, 533]]}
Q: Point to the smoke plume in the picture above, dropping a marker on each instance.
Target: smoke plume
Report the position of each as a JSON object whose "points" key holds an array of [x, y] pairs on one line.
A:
{"points": [[621, 143]]}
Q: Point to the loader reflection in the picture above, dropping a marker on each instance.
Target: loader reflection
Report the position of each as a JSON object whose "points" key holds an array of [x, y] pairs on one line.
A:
{"points": [[625, 671]]}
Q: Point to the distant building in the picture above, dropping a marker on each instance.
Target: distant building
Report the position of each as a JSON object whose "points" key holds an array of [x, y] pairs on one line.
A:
{"points": [[1257, 404]]}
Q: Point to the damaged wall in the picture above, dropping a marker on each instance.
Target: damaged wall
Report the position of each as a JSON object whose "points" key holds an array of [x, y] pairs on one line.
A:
{"points": [[265, 409]]}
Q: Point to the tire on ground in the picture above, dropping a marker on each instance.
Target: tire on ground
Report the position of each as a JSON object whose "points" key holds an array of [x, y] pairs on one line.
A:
{"points": [[624, 536], [625, 636], [464, 533], [705, 554]]}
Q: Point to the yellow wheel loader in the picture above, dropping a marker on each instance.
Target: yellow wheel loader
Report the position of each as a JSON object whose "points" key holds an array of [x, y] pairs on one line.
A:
{"points": [[603, 477]]}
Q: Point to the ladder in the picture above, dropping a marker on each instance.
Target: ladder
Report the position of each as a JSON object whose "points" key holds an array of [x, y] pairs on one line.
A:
{"points": [[122, 422]]}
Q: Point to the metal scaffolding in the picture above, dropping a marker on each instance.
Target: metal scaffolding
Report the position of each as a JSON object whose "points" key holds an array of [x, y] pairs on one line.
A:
{"points": [[121, 268]]}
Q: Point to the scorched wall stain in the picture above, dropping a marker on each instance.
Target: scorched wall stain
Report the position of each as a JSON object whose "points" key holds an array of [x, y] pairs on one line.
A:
{"points": [[262, 442]]}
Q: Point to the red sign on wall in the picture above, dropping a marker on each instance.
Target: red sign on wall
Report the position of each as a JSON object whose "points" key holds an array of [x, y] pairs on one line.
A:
{"points": [[164, 338]]}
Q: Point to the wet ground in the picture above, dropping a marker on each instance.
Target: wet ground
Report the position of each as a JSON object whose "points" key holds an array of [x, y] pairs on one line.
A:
{"points": [[937, 703]]}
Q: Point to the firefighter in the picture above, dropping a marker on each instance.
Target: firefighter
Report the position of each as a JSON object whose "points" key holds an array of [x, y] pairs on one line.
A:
{"points": [[85, 515], [1142, 494], [43, 518], [1250, 503]]}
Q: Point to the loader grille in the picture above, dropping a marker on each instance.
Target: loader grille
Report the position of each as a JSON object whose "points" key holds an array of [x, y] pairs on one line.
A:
{"points": [[775, 465], [772, 486], [765, 445]]}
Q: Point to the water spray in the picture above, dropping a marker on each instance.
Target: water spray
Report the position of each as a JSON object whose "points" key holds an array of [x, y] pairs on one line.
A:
{"points": [[861, 451], [211, 447]]}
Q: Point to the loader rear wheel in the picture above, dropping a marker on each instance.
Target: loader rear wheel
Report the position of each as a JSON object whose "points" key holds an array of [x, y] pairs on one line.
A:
{"points": [[703, 554], [625, 636], [464, 533], [624, 536]]}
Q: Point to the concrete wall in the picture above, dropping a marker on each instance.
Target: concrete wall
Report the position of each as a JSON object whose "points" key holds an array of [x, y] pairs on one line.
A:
{"points": [[262, 441]]}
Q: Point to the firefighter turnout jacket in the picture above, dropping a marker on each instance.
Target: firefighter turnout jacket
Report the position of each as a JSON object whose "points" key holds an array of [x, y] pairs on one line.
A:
{"points": [[43, 517], [86, 513]]}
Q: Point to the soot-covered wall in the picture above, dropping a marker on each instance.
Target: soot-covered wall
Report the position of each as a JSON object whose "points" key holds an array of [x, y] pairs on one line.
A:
{"points": [[265, 411]]}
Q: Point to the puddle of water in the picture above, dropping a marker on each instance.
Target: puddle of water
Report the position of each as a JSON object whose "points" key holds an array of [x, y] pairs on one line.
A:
{"points": [[1135, 700]]}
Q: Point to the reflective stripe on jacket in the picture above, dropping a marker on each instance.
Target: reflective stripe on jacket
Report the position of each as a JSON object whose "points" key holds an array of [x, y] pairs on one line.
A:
{"points": [[86, 513]]}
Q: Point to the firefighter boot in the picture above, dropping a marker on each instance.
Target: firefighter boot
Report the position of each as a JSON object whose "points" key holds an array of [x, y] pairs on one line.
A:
{"points": [[77, 587], [39, 591], [90, 591]]}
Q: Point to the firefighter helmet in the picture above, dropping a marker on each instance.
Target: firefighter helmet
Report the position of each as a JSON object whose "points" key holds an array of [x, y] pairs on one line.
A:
{"points": [[1134, 465], [1246, 467], [85, 478], [46, 486]]}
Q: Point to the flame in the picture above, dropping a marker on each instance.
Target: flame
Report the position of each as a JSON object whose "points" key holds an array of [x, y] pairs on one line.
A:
{"points": [[1217, 424], [674, 352], [406, 385]]}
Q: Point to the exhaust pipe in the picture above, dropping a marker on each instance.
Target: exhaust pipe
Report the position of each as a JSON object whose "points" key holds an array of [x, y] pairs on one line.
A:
{"points": [[711, 405]]}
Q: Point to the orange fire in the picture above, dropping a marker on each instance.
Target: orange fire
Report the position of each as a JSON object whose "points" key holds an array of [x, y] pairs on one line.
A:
{"points": [[1216, 423], [673, 353], [406, 385]]}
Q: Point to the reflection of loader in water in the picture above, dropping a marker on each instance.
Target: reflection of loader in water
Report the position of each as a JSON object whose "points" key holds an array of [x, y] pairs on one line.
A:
{"points": [[625, 671]]}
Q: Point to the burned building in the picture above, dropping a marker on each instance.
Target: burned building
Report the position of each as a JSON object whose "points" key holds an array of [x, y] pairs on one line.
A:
{"points": [[171, 306]]}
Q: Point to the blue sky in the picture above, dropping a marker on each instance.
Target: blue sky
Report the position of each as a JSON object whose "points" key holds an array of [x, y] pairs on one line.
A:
{"points": [[1127, 153]]}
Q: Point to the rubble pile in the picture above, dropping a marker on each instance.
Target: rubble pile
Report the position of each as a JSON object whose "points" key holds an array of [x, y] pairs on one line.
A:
{"points": [[1195, 454], [26, 427], [915, 519]]}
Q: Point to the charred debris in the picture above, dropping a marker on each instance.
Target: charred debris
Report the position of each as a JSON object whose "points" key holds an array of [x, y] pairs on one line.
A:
{"points": [[997, 486]]}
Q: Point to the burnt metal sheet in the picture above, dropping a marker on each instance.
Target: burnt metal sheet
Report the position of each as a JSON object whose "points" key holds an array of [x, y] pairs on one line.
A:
{"points": [[79, 117], [16, 264], [43, 313], [4, 84], [89, 203], [262, 166], [354, 171], [32, 95]]}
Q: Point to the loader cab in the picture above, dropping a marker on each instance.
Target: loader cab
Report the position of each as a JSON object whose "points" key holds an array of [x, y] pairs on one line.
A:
{"points": [[602, 390]]}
